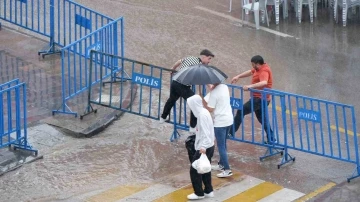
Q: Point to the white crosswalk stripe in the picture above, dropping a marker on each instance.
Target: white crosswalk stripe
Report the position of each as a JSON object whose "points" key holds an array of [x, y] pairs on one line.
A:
{"points": [[284, 195], [237, 188]]}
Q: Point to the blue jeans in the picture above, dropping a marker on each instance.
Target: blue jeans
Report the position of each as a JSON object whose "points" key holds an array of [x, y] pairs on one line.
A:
{"points": [[221, 136]]}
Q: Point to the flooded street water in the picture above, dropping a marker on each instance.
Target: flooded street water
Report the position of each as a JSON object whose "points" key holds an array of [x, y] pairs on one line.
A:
{"points": [[123, 153], [319, 60]]}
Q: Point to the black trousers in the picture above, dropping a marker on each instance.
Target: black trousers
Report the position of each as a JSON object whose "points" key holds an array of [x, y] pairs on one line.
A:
{"points": [[178, 90], [190, 146], [258, 103], [197, 179]]}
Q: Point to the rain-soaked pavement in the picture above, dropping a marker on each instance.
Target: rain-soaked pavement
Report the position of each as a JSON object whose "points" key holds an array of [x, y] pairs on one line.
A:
{"points": [[318, 60]]}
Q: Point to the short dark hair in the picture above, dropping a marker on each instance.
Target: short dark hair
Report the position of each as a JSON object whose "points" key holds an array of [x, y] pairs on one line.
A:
{"points": [[206, 52], [257, 59]]}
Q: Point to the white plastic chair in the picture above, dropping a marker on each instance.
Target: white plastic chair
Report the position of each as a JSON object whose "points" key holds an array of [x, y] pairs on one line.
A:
{"points": [[312, 8], [276, 4], [244, 2], [345, 5], [256, 7]]}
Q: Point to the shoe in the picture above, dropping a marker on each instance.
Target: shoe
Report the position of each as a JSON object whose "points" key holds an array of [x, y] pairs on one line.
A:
{"points": [[225, 173], [209, 195], [192, 130], [162, 120], [217, 167], [271, 142], [193, 196]]}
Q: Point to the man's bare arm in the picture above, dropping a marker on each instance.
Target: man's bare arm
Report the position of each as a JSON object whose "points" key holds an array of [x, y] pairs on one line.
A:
{"points": [[206, 105], [256, 85], [242, 75], [176, 65]]}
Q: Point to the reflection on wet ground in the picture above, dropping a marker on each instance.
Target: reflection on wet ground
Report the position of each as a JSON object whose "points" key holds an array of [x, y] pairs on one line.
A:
{"points": [[43, 85]]}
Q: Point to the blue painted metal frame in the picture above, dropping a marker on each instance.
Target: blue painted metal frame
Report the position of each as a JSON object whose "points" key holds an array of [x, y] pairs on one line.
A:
{"points": [[309, 137], [75, 63], [54, 19], [13, 94], [149, 72], [325, 146], [310, 132]]}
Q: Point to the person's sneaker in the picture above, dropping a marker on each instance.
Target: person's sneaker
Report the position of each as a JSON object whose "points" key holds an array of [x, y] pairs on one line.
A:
{"points": [[271, 142], [162, 120], [193, 196], [209, 195], [225, 173], [217, 167], [229, 135], [192, 130]]}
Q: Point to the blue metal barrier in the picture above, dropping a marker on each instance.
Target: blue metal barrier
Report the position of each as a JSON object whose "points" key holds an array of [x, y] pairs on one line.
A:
{"points": [[75, 60], [317, 127], [76, 29], [148, 77], [293, 121], [13, 128], [248, 132], [298, 122], [62, 21]]}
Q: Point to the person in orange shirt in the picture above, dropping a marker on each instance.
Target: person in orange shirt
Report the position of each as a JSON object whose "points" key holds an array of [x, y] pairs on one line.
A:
{"points": [[261, 78]]}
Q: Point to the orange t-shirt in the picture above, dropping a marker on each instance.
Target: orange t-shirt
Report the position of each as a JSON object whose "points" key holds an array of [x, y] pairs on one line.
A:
{"points": [[263, 74]]}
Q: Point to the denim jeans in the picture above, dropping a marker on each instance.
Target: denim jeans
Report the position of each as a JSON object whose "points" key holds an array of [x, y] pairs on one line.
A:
{"points": [[178, 90], [221, 137], [257, 107], [197, 179]]}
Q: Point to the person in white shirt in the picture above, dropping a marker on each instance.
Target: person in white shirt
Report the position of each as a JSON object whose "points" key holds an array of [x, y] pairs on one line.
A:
{"points": [[218, 103], [204, 144]]}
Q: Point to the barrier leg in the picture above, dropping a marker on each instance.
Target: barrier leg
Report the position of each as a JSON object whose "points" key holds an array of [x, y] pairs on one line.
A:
{"points": [[49, 50], [89, 109], [271, 151], [286, 158], [355, 174], [24, 146], [175, 135], [64, 110]]}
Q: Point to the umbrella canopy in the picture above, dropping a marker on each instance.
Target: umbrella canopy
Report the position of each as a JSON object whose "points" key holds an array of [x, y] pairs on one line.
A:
{"points": [[200, 75]]}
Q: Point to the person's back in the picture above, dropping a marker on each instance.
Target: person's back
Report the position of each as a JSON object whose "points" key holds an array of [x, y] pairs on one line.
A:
{"points": [[205, 130], [220, 101]]}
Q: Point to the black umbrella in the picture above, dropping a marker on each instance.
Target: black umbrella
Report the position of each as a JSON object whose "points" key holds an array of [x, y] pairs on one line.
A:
{"points": [[200, 75]]}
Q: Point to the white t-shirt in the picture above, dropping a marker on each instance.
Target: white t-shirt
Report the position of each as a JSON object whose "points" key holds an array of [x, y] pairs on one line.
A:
{"points": [[219, 99]]}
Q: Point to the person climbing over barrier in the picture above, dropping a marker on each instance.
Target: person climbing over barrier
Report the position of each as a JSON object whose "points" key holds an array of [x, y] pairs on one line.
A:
{"points": [[261, 78], [178, 90]]}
